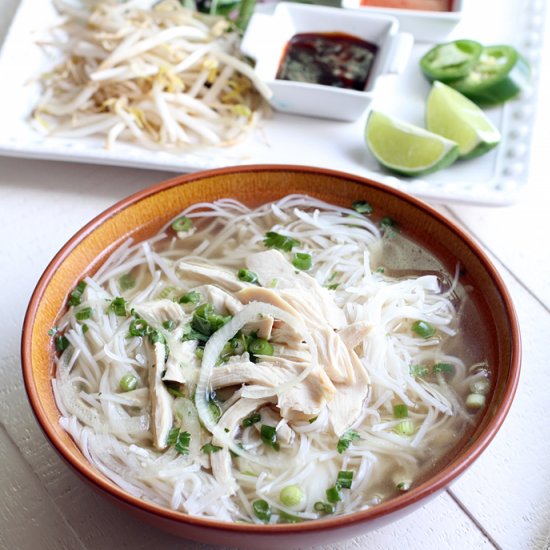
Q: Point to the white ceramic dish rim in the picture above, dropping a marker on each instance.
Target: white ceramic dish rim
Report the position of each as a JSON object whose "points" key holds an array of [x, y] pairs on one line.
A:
{"points": [[454, 15], [500, 183]]}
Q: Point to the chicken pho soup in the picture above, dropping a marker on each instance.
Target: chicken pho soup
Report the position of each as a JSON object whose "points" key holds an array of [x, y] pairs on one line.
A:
{"points": [[271, 365]]}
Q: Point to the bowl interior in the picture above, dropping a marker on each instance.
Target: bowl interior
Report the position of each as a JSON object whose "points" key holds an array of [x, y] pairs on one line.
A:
{"points": [[267, 35], [143, 214]]}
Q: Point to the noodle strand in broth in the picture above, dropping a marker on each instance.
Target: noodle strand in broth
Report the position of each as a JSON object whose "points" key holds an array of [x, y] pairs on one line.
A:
{"points": [[266, 365]]}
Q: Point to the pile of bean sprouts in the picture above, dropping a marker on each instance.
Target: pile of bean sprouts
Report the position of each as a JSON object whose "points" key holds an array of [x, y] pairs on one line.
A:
{"points": [[113, 430], [156, 74]]}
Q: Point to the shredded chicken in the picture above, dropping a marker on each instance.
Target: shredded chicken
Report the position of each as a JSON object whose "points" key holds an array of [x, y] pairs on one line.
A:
{"points": [[161, 400]]}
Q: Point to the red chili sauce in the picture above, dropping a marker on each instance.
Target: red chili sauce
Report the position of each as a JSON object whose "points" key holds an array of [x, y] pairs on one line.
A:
{"points": [[425, 5], [331, 59]]}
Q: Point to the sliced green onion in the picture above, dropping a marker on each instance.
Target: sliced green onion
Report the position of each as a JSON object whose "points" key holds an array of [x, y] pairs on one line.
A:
{"points": [[345, 441], [138, 327], [400, 411], [344, 479], [85, 328], [199, 353], [333, 286], [480, 386], [83, 314], [192, 297], [292, 495], [334, 494], [208, 448], [312, 420], [260, 346], [247, 276], [126, 282], [475, 401], [207, 321], [423, 329], [262, 510], [363, 207], [268, 435], [302, 261], [324, 507], [118, 306], [285, 517], [61, 343], [403, 486], [251, 420], [405, 427], [183, 223], [281, 242], [76, 295], [128, 382]]}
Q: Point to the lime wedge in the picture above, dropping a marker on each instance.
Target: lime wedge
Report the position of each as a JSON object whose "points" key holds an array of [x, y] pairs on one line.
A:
{"points": [[451, 115], [405, 148]]}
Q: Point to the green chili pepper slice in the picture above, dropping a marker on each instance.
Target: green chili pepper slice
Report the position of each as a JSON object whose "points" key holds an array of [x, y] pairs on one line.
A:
{"points": [[451, 61], [500, 74]]}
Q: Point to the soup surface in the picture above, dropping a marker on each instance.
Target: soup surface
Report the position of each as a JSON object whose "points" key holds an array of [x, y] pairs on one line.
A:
{"points": [[269, 365]]}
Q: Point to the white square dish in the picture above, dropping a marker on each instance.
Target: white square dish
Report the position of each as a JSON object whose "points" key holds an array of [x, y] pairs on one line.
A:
{"points": [[424, 25], [266, 39]]}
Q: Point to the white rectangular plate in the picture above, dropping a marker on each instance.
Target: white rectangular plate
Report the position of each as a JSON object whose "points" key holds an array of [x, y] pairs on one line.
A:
{"points": [[495, 179]]}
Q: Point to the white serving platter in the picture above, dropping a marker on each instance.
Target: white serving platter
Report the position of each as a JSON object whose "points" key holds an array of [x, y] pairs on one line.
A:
{"points": [[495, 179]]}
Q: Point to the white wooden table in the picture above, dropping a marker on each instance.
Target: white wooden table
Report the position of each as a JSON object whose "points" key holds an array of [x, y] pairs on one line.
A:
{"points": [[502, 502]]}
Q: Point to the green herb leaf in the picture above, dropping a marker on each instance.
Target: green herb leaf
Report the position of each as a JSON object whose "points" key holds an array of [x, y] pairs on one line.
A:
{"points": [[182, 444], [443, 367], [189, 333], [192, 297], [419, 371], [281, 242], [363, 207], [168, 325], [172, 436], [61, 343], [76, 295], [208, 448]]}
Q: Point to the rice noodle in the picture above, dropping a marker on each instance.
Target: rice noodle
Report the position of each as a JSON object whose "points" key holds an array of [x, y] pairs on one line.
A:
{"points": [[114, 428]]}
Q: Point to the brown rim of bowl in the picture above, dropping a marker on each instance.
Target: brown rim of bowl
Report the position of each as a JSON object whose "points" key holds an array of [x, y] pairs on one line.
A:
{"points": [[432, 485]]}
